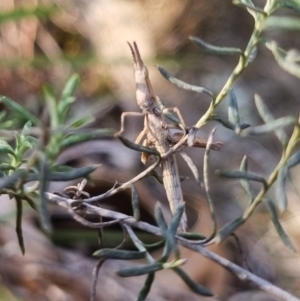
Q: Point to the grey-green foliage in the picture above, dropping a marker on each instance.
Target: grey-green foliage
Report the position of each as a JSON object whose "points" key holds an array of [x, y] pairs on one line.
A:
{"points": [[153, 266], [287, 60], [30, 154]]}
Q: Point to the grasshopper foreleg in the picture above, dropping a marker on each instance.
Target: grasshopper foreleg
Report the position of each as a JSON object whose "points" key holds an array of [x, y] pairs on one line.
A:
{"points": [[124, 114]]}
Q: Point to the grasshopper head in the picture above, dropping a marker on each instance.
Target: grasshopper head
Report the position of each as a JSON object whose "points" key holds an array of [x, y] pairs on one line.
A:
{"points": [[139, 66], [144, 92]]}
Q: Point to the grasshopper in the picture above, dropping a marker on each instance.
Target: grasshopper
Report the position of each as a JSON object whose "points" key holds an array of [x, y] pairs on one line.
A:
{"points": [[156, 133]]}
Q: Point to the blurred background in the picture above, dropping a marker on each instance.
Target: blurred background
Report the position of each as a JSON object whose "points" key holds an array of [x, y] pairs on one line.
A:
{"points": [[46, 41]]}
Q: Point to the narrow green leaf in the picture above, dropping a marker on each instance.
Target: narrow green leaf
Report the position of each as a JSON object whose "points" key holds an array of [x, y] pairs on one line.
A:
{"points": [[181, 84], [32, 141], [9, 125], [26, 128], [44, 215], [19, 230], [280, 231], [244, 2], [194, 286], [63, 108], [18, 140], [155, 246], [146, 288], [207, 184], [282, 22], [248, 4], [67, 97], [135, 203], [72, 175], [280, 188], [292, 4], [283, 59], [140, 270], [64, 176], [269, 127], [70, 87], [138, 147], [233, 111], [244, 182], [267, 116], [192, 236], [171, 244], [226, 123], [228, 229], [24, 145], [52, 105], [30, 202], [159, 217], [81, 121], [79, 137], [171, 117], [167, 114], [6, 167], [280, 194], [237, 174], [293, 160], [11, 180], [3, 114], [175, 221], [5, 148], [62, 168], [19, 109], [215, 49], [119, 254]]}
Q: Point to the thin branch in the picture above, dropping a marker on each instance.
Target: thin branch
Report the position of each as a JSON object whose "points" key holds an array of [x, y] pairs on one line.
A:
{"points": [[138, 243], [123, 187], [239, 272], [89, 224], [129, 220]]}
